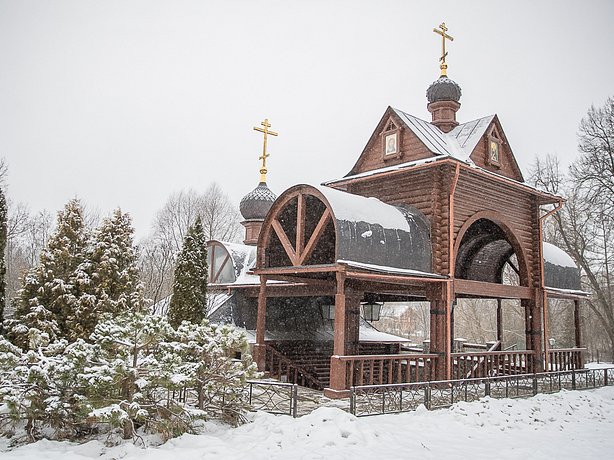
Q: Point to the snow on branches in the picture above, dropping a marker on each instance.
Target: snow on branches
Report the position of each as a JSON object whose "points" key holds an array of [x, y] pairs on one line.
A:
{"points": [[136, 372]]}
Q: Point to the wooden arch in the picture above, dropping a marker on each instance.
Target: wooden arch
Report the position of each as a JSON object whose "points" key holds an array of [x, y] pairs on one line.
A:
{"points": [[299, 230], [510, 235]]}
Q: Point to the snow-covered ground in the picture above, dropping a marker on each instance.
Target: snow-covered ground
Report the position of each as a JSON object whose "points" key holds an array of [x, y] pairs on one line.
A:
{"points": [[569, 424]]}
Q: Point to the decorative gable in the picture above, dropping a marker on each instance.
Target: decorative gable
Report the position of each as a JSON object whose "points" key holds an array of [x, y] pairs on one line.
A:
{"points": [[392, 143], [493, 152]]}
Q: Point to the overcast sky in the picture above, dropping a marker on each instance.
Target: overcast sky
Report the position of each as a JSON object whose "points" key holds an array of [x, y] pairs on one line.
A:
{"points": [[122, 103]]}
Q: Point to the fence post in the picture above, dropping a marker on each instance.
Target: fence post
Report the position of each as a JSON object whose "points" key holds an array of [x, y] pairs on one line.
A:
{"points": [[534, 384], [383, 401], [427, 396], [605, 377], [573, 380], [487, 387], [294, 400], [353, 400]]}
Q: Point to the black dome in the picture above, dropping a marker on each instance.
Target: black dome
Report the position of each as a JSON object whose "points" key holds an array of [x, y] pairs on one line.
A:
{"points": [[256, 204], [443, 89]]}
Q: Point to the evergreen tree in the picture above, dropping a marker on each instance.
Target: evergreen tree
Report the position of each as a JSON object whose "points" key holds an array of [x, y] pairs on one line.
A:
{"points": [[188, 302], [3, 210], [49, 292], [108, 279]]}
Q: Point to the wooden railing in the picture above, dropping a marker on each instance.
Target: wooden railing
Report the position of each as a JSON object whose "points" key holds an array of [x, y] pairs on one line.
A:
{"points": [[281, 367], [385, 369], [565, 359], [491, 363]]}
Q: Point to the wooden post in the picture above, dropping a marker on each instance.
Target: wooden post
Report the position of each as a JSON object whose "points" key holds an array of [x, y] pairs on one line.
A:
{"points": [[500, 321], [577, 329], [347, 312], [441, 335], [546, 314], [260, 346], [533, 322]]}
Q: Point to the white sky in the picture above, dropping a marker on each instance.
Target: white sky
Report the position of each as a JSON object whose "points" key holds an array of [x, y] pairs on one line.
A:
{"points": [[123, 102]]}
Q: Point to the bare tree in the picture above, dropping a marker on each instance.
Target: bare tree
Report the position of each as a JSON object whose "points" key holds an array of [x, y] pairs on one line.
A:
{"points": [[220, 219], [585, 225]]}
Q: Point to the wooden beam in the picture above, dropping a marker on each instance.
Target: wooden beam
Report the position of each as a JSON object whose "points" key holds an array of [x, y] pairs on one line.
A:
{"points": [[285, 242], [219, 271], [317, 233], [289, 290], [321, 268], [492, 290], [394, 279], [300, 224], [302, 279]]}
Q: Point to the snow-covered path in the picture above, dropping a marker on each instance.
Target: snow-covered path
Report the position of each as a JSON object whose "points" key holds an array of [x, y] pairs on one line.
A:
{"points": [[570, 424]]}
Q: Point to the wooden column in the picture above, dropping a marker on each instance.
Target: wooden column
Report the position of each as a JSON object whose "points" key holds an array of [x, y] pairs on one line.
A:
{"points": [[346, 325], [500, 321], [440, 297], [578, 330], [260, 346], [546, 327], [533, 331]]}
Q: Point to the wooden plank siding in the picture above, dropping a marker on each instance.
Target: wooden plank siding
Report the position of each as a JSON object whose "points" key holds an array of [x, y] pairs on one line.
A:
{"points": [[428, 190], [411, 148]]}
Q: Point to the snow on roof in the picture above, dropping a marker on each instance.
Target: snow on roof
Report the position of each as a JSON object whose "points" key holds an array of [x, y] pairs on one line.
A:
{"points": [[372, 172], [458, 143], [390, 270], [357, 208], [243, 259], [564, 292], [215, 301], [556, 256]]}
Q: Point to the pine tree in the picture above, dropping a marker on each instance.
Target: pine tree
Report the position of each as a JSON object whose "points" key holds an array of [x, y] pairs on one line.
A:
{"points": [[49, 293], [188, 302], [108, 279], [3, 211]]}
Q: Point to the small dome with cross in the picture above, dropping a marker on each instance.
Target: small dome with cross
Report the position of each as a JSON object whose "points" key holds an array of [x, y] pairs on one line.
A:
{"points": [[443, 89], [256, 204]]}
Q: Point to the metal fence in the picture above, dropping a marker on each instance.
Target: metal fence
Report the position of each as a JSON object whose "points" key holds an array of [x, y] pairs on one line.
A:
{"points": [[273, 397], [394, 398]]}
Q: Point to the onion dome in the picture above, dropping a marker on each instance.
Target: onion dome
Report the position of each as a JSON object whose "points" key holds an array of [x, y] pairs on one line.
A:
{"points": [[443, 89], [256, 204]]}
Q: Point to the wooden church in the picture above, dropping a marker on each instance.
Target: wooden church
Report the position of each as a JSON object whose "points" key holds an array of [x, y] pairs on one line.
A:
{"points": [[431, 211]]}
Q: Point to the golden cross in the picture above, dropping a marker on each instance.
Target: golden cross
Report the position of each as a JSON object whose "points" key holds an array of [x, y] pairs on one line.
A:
{"points": [[442, 31], [265, 155]]}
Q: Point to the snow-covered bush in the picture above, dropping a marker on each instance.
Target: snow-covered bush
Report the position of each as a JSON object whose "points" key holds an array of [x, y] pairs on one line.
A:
{"points": [[135, 371], [41, 390]]}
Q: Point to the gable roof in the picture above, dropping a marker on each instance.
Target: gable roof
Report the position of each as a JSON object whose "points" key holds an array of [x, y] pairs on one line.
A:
{"points": [[458, 143]]}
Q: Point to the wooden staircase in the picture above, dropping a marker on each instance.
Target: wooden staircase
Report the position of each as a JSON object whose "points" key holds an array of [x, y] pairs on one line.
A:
{"points": [[307, 363]]}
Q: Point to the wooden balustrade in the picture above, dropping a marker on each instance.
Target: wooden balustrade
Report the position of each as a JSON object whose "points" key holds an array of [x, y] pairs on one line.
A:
{"points": [[491, 363], [565, 359], [384, 369]]}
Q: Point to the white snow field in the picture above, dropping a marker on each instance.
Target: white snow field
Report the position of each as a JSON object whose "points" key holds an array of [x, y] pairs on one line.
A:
{"points": [[569, 424]]}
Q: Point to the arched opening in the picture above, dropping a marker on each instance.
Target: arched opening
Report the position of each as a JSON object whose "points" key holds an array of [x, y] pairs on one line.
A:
{"points": [[489, 253]]}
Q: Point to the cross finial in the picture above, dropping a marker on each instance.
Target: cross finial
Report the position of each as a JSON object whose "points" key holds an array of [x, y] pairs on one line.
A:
{"points": [[265, 155], [442, 31]]}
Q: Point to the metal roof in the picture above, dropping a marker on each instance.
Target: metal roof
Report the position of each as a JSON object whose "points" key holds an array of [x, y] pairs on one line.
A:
{"points": [[560, 270], [371, 232], [458, 143]]}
